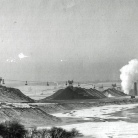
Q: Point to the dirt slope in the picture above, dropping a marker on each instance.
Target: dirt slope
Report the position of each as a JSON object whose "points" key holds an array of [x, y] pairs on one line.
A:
{"points": [[71, 93], [113, 92], [64, 106], [13, 95], [28, 116]]}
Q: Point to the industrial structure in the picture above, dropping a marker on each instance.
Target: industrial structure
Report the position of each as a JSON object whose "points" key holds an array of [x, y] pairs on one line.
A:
{"points": [[133, 92], [135, 88], [70, 83], [0, 80]]}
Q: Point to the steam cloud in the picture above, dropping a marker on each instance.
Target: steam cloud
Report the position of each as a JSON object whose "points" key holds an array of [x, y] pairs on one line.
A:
{"points": [[129, 75]]}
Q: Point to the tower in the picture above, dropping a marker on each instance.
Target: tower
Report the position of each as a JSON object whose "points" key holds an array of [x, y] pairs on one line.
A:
{"points": [[3, 81], [78, 84], [135, 88], [26, 83], [0, 80]]}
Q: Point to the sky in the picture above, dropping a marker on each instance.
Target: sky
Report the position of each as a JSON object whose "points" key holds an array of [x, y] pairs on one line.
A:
{"points": [[53, 40]]}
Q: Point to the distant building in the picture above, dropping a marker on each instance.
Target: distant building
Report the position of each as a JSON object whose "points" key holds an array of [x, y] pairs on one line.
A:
{"points": [[133, 91], [0, 80]]}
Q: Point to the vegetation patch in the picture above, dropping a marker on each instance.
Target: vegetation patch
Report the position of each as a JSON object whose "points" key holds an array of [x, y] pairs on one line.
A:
{"points": [[13, 129]]}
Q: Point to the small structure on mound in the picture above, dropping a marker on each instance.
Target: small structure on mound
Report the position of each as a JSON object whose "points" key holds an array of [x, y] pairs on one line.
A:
{"points": [[72, 93], [70, 83], [112, 92]]}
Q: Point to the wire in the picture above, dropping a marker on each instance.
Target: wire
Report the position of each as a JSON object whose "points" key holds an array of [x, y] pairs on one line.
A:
{"points": [[27, 81]]}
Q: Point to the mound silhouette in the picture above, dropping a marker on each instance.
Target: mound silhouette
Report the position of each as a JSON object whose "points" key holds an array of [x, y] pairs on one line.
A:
{"points": [[13, 95], [112, 92], [27, 116], [71, 93]]}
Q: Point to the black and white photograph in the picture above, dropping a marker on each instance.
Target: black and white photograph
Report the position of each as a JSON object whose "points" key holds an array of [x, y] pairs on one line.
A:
{"points": [[68, 68]]}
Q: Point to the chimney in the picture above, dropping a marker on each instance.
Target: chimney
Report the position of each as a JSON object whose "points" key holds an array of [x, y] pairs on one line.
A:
{"points": [[135, 88]]}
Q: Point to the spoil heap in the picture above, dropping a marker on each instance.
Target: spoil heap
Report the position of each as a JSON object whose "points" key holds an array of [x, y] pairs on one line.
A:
{"points": [[71, 93], [112, 92], [13, 95], [27, 115]]}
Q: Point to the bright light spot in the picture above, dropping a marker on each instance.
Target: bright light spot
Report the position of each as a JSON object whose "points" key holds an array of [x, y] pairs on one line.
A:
{"points": [[14, 59], [10, 60], [62, 60], [21, 55]]}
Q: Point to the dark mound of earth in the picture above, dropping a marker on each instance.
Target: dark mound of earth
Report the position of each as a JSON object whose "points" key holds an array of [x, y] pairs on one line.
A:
{"points": [[13, 95], [28, 116], [70, 93], [113, 93]]}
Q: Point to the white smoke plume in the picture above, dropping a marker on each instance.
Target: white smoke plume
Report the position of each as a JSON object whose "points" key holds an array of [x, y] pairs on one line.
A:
{"points": [[129, 75]]}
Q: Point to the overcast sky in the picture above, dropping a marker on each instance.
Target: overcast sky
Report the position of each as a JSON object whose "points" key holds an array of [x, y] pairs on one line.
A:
{"points": [[67, 39]]}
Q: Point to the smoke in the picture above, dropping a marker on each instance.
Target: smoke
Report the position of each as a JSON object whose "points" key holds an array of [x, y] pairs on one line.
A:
{"points": [[129, 75]]}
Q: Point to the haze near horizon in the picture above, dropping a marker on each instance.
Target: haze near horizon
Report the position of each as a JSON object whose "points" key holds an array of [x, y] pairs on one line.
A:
{"points": [[50, 40]]}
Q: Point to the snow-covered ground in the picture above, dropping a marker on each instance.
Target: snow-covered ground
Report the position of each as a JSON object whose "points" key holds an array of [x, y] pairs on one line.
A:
{"points": [[106, 129], [103, 129], [100, 112]]}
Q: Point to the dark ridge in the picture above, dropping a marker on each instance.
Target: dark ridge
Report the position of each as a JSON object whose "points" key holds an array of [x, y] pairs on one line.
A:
{"points": [[56, 93], [13, 95], [96, 92], [28, 116], [70, 93], [114, 92]]}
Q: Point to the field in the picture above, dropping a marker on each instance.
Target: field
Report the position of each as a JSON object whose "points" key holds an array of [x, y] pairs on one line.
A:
{"points": [[117, 121]]}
